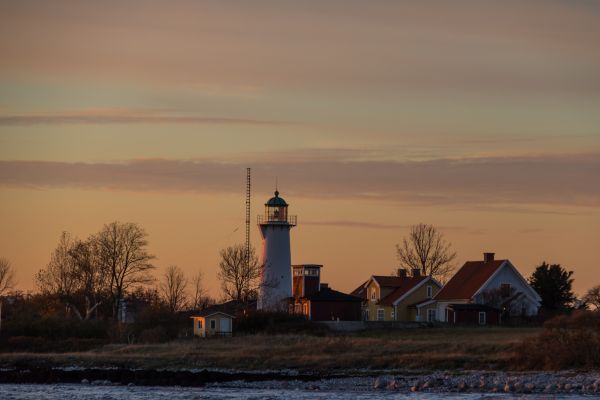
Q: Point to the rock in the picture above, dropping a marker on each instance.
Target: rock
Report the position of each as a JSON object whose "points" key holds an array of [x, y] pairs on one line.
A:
{"points": [[392, 385], [462, 386], [414, 388], [508, 388], [381, 382], [568, 386], [530, 387], [85, 381]]}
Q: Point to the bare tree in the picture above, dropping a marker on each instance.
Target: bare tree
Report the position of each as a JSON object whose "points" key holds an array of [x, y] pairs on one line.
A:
{"points": [[59, 278], [238, 280], [173, 288], [122, 251], [7, 276], [199, 298], [592, 297], [426, 249], [72, 274]]}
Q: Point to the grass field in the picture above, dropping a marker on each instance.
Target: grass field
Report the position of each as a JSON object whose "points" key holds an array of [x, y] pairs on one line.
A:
{"points": [[414, 349]]}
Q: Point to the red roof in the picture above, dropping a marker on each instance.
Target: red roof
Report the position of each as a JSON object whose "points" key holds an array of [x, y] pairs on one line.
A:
{"points": [[467, 281], [402, 284]]}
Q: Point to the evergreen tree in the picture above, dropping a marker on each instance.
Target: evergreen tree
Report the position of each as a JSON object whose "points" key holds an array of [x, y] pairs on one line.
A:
{"points": [[553, 284]]}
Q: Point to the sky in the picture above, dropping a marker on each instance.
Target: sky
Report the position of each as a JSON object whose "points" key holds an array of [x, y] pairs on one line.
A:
{"points": [[479, 117]]}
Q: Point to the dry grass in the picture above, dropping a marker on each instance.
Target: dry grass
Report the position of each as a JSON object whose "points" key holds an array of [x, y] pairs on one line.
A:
{"points": [[422, 349]]}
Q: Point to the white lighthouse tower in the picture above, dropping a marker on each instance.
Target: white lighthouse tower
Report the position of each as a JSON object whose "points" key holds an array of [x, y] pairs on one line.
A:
{"points": [[276, 273]]}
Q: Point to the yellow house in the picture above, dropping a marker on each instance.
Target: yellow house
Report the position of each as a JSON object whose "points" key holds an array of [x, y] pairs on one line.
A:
{"points": [[394, 298], [211, 323]]}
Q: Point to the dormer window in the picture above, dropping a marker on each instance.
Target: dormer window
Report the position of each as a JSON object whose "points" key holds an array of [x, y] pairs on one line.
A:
{"points": [[373, 294]]}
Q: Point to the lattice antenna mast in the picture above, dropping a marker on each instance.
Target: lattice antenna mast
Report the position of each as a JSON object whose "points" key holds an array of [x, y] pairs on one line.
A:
{"points": [[248, 186]]}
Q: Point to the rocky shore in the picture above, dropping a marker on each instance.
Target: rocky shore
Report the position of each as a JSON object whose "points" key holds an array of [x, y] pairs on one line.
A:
{"points": [[564, 382]]}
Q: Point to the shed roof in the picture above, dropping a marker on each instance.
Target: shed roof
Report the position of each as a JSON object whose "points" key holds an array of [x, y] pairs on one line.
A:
{"points": [[327, 294]]}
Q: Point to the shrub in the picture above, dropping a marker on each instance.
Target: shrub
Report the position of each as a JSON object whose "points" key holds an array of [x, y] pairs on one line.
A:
{"points": [[566, 342], [276, 323]]}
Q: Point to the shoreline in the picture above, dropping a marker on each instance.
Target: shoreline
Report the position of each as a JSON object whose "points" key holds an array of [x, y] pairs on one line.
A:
{"points": [[448, 381]]}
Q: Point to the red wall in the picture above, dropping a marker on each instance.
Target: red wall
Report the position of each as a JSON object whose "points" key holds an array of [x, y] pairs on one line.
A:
{"points": [[332, 310]]}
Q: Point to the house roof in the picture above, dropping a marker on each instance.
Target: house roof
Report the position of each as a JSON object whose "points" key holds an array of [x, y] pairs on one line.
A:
{"points": [[360, 291], [208, 312], [402, 286], [468, 280], [327, 294]]}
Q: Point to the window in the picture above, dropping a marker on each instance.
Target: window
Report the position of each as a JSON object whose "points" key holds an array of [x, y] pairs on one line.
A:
{"points": [[429, 292], [311, 272], [366, 314], [199, 324], [393, 314], [373, 294], [297, 271], [213, 324], [431, 315], [380, 314], [481, 317]]}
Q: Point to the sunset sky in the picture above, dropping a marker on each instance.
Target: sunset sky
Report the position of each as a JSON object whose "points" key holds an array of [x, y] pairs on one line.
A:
{"points": [[479, 117]]}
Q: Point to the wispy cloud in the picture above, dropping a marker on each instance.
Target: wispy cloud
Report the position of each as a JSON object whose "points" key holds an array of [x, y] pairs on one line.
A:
{"points": [[125, 116], [479, 182], [355, 224]]}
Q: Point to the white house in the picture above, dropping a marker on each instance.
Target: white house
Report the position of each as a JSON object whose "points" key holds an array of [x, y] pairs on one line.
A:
{"points": [[480, 292]]}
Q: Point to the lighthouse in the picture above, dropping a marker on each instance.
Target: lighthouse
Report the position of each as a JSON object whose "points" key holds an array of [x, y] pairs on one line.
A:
{"points": [[276, 273]]}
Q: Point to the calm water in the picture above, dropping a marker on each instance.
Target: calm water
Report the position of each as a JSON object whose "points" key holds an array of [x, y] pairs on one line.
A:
{"points": [[73, 391]]}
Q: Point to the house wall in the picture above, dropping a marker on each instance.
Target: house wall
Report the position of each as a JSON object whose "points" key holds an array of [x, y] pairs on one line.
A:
{"points": [[206, 330], [441, 306], [198, 331], [408, 314], [421, 312], [508, 275], [334, 310]]}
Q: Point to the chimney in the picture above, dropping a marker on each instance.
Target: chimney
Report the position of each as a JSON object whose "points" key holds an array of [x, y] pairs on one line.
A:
{"points": [[487, 257], [416, 272], [401, 272], [323, 286]]}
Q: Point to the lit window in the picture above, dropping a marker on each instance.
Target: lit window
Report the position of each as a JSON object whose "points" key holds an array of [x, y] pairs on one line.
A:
{"points": [[380, 314], [481, 317], [373, 294], [429, 292]]}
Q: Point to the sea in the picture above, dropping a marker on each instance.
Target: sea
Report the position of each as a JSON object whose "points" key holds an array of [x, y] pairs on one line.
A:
{"points": [[77, 392]]}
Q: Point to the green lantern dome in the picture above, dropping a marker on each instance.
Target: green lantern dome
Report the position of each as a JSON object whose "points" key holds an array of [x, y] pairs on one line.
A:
{"points": [[276, 201]]}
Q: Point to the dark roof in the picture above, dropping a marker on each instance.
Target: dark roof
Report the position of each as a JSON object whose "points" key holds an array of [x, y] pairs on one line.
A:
{"points": [[327, 294], [472, 307], [232, 307], [276, 201], [360, 291], [468, 280], [402, 285]]}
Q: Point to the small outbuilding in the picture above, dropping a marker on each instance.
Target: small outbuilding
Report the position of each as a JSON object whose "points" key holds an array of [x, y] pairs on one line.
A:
{"points": [[212, 322]]}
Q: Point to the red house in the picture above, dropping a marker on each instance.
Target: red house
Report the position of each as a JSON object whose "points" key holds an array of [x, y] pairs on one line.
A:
{"points": [[317, 301]]}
